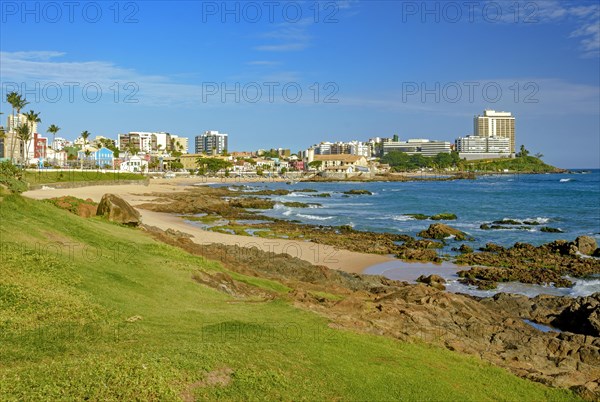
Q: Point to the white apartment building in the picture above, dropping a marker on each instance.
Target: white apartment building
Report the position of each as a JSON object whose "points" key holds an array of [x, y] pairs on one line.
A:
{"points": [[475, 147], [495, 124], [211, 143], [360, 149], [60, 143], [417, 146]]}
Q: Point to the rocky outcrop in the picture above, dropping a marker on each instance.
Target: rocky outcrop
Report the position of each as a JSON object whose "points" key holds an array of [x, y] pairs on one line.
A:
{"points": [[582, 316], [84, 208], [577, 315], [434, 281], [116, 209], [546, 264], [358, 192], [441, 231], [586, 244]]}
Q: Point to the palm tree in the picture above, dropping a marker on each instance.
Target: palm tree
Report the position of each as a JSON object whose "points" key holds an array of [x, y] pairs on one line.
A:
{"points": [[85, 136], [32, 118], [24, 135], [53, 129], [17, 102]]}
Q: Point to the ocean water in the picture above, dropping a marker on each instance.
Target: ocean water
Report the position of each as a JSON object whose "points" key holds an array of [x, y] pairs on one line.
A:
{"points": [[569, 202]]}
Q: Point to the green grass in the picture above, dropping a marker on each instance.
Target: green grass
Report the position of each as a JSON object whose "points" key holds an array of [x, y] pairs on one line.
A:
{"points": [[528, 164], [62, 176], [69, 288]]}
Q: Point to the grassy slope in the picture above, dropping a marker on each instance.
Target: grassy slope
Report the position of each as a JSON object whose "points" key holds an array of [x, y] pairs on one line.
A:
{"points": [[67, 175], [528, 164], [64, 331]]}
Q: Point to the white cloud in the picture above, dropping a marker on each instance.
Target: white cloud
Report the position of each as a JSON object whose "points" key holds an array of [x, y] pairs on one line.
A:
{"points": [[263, 63], [585, 17], [288, 36]]}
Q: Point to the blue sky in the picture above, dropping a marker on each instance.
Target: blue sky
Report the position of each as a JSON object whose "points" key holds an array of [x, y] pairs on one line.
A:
{"points": [[364, 69]]}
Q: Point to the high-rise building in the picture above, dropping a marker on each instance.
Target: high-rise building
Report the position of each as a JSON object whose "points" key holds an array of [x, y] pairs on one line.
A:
{"points": [[495, 124], [138, 141], [211, 143], [19, 120], [179, 144]]}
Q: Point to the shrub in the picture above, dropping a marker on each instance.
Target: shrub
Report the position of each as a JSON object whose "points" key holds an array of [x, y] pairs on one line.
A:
{"points": [[12, 177]]}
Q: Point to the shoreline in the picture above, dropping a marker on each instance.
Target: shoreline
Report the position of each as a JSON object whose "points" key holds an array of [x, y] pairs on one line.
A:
{"points": [[315, 253]]}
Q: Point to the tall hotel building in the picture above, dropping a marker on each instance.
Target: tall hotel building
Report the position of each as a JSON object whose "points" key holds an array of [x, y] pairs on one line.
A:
{"points": [[496, 124], [211, 143]]}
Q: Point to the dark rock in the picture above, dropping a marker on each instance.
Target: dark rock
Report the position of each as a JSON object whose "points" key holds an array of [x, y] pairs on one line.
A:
{"points": [[435, 281], [416, 254], [583, 316], [446, 216], [441, 231], [492, 248], [550, 230], [358, 192], [419, 217], [507, 222], [465, 249], [118, 210]]}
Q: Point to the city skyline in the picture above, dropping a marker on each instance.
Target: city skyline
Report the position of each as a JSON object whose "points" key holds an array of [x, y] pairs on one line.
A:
{"points": [[363, 71]]}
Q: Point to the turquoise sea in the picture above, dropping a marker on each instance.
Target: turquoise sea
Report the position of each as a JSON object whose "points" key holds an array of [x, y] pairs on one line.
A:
{"points": [[569, 202]]}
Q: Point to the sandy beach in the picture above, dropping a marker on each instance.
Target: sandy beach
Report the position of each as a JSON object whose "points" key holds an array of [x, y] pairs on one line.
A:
{"points": [[318, 254]]}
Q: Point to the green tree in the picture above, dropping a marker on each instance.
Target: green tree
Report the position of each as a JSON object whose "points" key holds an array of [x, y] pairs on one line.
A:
{"points": [[24, 135], [316, 164], [212, 165], [523, 152], [32, 118], [84, 135], [17, 102], [53, 129]]}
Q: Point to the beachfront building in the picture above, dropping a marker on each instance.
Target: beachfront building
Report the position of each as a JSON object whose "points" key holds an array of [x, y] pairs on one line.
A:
{"points": [[138, 141], [60, 143], [56, 157], [104, 158], [211, 143], [474, 147], [342, 163], [417, 146], [134, 164], [495, 124]]}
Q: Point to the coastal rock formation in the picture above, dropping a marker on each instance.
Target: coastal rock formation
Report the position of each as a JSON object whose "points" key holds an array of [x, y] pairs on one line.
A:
{"points": [[577, 315], [118, 210], [586, 244], [548, 263], [434, 281], [441, 231], [358, 192], [84, 208]]}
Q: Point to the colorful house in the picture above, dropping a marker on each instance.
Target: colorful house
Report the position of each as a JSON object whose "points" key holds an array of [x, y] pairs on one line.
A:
{"points": [[104, 157]]}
